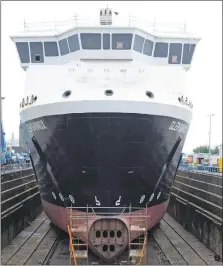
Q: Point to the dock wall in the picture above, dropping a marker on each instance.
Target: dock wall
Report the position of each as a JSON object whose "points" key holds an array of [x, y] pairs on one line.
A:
{"points": [[20, 203], [196, 203]]}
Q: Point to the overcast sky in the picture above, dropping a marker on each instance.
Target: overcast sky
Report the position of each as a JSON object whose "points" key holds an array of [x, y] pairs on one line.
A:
{"points": [[203, 17]]}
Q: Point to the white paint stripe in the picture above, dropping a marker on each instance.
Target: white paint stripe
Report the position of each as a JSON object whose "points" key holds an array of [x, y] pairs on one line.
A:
{"points": [[103, 106]]}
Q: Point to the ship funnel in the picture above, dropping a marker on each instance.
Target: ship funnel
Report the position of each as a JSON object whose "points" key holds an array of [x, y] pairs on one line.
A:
{"points": [[105, 16]]}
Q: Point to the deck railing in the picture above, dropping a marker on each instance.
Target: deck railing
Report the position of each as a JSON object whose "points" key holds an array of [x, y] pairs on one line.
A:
{"points": [[152, 26], [201, 169]]}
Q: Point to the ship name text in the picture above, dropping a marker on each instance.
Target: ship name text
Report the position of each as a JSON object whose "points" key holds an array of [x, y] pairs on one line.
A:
{"points": [[36, 126]]}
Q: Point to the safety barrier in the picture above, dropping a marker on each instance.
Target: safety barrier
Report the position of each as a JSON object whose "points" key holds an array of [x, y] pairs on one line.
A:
{"points": [[15, 167], [201, 169]]}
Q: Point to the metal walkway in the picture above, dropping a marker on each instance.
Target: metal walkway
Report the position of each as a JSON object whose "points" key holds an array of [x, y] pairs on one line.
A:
{"points": [[169, 244]]}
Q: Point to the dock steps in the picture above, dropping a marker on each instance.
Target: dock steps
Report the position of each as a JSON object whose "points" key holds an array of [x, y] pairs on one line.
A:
{"points": [[137, 228], [79, 229], [81, 254], [138, 225], [77, 223]]}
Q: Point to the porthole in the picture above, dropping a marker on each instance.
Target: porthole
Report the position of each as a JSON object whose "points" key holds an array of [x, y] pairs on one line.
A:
{"points": [[66, 94], [98, 234], [105, 234], [30, 100], [105, 248], [112, 234], [119, 234], [112, 248], [27, 100], [108, 92], [150, 94], [35, 98]]}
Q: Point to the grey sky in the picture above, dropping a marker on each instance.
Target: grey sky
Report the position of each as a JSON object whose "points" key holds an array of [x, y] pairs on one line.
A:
{"points": [[203, 17]]}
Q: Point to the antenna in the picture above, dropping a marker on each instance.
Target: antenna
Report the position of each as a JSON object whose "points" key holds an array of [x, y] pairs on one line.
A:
{"points": [[185, 25], [24, 24], [154, 23]]}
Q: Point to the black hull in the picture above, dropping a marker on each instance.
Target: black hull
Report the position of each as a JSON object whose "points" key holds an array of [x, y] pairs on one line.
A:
{"points": [[100, 158]]}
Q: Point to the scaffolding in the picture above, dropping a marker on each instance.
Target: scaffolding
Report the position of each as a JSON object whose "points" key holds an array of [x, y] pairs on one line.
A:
{"points": [[138, 224], [77, 223]]}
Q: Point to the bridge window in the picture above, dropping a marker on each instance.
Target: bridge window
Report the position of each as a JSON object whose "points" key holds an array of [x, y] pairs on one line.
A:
{"points": [[161, 49], [138, 43], [188, 53], [175, 53], [148, 47], [74, 43], [36, 50], [106, 41], [121, 41], [91, 41], [51, 49], [23, 50], [64, 49]]}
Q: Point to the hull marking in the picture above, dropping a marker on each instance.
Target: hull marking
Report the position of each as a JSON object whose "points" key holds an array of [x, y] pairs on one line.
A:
{"points": [[151, 197], [142, 198], [36, 126], [54, 195], [117, 203], [71, 199], [61, 196], [98, 203]]}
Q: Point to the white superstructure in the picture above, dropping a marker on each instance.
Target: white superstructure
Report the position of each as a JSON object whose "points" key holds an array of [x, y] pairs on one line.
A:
{"points": [[105, 68]]}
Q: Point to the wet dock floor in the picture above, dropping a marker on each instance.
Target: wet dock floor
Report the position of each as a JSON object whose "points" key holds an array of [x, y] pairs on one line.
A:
{"points": [[168, 244]]}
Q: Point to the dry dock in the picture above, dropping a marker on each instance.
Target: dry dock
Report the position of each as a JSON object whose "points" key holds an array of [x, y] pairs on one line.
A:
{"points": [[168, 244]]}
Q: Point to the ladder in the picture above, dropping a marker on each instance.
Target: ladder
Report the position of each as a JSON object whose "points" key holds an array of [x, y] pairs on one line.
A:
{"points": [[138, 226], [77, 224]]}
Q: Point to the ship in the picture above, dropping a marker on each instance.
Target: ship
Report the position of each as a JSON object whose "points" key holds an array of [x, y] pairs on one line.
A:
{"points": [[104, 117]]}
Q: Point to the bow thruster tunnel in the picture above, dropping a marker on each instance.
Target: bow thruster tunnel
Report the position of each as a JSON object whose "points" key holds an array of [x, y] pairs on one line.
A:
{"points": [[108, 237]]}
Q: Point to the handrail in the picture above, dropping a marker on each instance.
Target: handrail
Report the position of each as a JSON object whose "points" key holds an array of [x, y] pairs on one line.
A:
{"points": [[71, 245], [142, 252], [132, 21], [201, 169], [15, 167]]}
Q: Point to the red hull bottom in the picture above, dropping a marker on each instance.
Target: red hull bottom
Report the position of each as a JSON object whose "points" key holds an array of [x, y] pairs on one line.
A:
{"points": [[107, 247], [59, 215]]}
